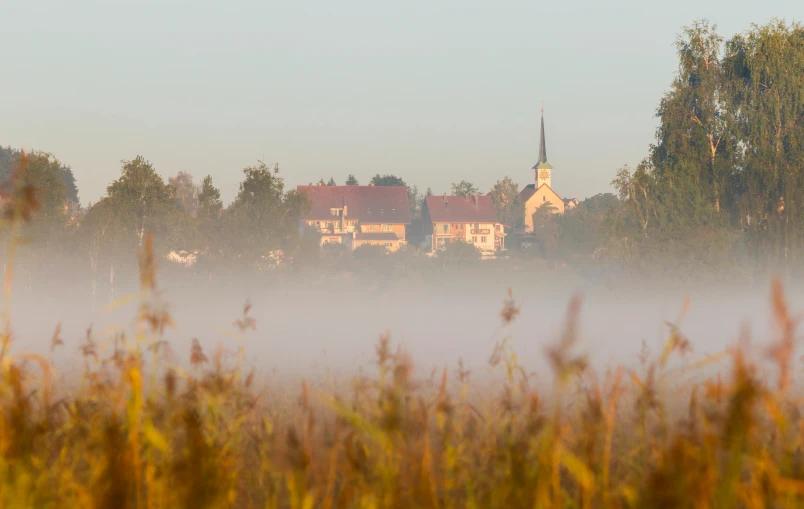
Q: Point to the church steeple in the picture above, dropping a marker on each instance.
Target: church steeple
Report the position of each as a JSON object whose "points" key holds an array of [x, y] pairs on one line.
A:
{"points": [[542, 145], [542, 169]]}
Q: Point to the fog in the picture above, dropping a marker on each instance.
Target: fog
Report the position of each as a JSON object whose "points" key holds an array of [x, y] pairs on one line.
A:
{"points": [[304, 329]]}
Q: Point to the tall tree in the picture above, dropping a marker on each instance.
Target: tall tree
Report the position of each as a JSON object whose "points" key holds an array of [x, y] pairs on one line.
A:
{"points": [[186, 191], [209, 200], [140, 200], [263, 217], [332, 182], [766, 71], [464, 188], [351, 180], [505, 196]]}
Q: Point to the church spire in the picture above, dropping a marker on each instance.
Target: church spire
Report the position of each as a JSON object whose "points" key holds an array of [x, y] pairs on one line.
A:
{"points": [[542, 164], [542, 146]]}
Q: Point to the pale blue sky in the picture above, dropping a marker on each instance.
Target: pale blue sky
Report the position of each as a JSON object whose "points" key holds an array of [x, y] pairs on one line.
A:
{"points": [[433, 91]]}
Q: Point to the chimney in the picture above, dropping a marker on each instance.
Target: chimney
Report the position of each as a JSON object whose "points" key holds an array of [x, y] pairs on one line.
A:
{"points": [[474, 200]]}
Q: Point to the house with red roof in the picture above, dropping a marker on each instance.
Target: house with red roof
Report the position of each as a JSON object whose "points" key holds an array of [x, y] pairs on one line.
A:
{"points": [[471, 219], [358, 215]]}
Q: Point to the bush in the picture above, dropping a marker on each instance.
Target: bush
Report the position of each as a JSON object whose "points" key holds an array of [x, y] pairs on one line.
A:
{"points": [[459, 253]]}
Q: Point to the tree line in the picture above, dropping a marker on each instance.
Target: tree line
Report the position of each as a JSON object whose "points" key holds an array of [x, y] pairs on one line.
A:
{"points": [[721, 184], [724, 179]]}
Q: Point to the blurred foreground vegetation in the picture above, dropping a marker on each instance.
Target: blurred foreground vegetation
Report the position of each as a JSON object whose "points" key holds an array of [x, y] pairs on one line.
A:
{"points": [[147, 426]]}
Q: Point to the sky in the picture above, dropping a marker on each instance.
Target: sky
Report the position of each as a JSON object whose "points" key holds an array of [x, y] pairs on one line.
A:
{"points": [[434, 91]]}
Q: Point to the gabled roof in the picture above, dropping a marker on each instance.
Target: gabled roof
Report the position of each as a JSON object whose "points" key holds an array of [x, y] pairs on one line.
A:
{"points": [[460, 209], [367, 204], [531, 189]]}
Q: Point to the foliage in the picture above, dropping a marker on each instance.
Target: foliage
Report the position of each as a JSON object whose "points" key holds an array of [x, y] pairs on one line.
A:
{"points": [[9, 158], [351, 180], [458, 252], [142, 430], [209, 200], [386, 180], [186, 191], [464, 188], [139, 200], [332, 182], [263, 218], [505, 196]]}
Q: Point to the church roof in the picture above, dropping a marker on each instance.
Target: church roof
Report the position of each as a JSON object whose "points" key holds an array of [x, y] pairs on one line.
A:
{"points": [[531, 189], [542, 150], [367, 204]]}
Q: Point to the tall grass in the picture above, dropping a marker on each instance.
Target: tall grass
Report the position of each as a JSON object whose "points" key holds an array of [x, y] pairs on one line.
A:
{"points": [[140, 431]]}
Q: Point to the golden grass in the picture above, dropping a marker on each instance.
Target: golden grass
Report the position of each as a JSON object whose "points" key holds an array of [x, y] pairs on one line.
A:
{"points": [[141, 432]]}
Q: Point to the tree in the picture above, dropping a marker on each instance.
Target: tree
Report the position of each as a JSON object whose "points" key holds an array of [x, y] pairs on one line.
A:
{"points": [[9, 158], [415, 202], [387, 180], [464, 188], [43, 173], [186, 191], [351, 180], [140, 200], [505, 196], [263, 218], [765, 68], [209, 200], [332, 182]]}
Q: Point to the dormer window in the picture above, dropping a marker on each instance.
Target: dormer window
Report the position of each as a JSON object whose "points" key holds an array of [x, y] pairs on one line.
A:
{"points": [[336, 212]]}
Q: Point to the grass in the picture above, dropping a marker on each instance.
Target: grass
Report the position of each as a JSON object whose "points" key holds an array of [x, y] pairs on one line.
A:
{"points": [[141, 430]]}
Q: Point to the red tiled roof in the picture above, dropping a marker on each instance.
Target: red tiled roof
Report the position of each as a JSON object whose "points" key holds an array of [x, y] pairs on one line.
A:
{"points": [[367, 204], [376, 236], [459, 209]]}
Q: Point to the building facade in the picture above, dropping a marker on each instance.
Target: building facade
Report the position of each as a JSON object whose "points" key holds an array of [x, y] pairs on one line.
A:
{"points": [[358, 215], [471, 219]]}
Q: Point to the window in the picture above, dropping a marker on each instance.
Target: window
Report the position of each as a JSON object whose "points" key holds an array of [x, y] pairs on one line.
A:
{"points": [[336, 212], [477, 226], [544, 198], [483, 240], [445, 228], [474, 239], [388, 244], [386, 227]]}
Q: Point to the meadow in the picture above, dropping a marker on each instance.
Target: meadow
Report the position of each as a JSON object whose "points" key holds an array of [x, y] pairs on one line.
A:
{"points": [[144, 425]]}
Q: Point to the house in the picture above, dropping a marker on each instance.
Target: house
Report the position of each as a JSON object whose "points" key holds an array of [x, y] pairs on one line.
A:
{"points": [[358, 215], [468, 218], [539, 194]]}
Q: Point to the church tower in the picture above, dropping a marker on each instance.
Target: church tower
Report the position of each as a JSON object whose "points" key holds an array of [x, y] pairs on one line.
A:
{"points": [[542, 169]]}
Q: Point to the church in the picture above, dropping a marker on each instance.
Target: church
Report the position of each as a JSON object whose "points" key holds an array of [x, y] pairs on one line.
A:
{"points": [[540, 192]]}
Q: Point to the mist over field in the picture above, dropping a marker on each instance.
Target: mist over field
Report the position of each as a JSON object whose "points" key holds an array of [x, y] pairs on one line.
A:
{"points": [[306, 329]]}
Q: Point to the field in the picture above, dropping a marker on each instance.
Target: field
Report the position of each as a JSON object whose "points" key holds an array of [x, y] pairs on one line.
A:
{"points": [[138, 427]]}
